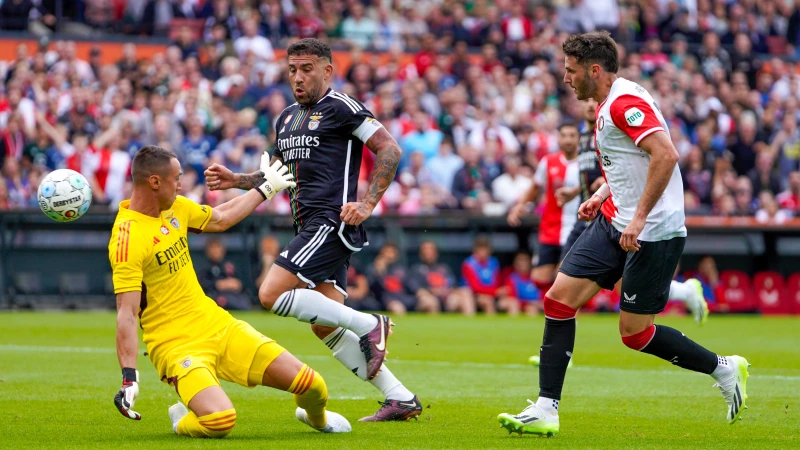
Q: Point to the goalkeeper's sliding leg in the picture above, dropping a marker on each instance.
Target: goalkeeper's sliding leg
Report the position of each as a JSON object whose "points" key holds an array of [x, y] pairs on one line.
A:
{"points": [[211, 414]]}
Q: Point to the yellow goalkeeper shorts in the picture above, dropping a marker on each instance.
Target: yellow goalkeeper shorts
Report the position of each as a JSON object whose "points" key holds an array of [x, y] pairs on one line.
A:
{"points": [[232, 354]]}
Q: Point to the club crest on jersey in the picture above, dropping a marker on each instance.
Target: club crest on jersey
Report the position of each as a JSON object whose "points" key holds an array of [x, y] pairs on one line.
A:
{"points": [[600, 123], [175, 224], [186, 363], [164, 230], [313, 121], [634, 117]]}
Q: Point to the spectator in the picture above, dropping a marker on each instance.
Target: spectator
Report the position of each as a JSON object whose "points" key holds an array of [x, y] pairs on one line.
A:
{"points": [[790, 199], [769, 211], [252, 43], [387, 278], [358, 29], [471, 182], [433, 283], [221, 282], [708, 275], [743, 148], [481, 275], [745, 203], [521, 293], [158, 15], [197, 146], [358, 295], [186, 42], [444, 166], [422, 138], [510, 185], [14, 14], [763, 176], [786, 145]]}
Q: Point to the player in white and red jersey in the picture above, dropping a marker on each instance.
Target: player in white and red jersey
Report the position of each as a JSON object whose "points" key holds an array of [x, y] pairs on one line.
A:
{"points": [[639, 238], [555, 171]]}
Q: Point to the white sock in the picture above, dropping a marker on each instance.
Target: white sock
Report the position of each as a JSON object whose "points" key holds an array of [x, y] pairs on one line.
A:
{"points": [[681, 292], [723, 370], [310, 306], [344, 344], [548, 404]]}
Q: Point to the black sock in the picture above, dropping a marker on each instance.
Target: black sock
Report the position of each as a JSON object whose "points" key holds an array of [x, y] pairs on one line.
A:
{"points": [[672, 345], [554, 356]]}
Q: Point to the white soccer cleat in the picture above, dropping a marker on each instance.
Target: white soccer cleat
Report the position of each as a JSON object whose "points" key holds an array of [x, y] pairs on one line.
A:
{"points": [[697, 303], [532, 420], [177, 412], [336, 422], [734, 387]]}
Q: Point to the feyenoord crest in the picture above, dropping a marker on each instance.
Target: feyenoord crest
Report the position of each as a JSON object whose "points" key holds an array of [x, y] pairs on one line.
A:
{"points": [[600, 123]]}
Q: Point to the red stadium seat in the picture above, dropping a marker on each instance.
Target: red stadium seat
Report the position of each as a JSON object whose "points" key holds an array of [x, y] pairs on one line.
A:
{"points": [[771, 293], [735, 292], [196, 26], [793, 292]]}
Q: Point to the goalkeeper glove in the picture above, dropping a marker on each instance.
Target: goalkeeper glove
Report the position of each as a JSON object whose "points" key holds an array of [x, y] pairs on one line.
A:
{"points": [[127, 394], [277, 178]]}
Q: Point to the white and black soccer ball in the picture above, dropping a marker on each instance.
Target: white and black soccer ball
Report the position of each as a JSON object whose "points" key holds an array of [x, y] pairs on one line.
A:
{"points": [[64, 195]]}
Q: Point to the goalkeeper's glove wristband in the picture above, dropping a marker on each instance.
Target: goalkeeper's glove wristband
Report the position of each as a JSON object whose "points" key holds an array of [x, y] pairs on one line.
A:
{"points": [[127, 394], [265, 189]]}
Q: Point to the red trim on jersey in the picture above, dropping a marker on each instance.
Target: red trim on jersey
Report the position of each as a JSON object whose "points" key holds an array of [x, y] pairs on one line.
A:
{"points": [[637, 128]]}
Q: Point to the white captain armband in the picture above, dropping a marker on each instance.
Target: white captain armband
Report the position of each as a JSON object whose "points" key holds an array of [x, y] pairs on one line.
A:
{"points": [[367, 128]]}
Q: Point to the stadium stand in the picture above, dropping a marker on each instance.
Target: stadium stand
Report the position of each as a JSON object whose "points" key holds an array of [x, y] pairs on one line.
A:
{"points": [[468, 88]]}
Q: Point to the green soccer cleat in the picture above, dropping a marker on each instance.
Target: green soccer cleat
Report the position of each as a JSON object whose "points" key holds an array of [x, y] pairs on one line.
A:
{"points": [[534, 361], [532, 420], [698, 304], [734, 388]]}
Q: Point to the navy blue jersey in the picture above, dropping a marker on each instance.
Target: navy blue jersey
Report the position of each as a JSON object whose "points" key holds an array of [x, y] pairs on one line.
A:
{"points": [[587, 163], [321, 144]]}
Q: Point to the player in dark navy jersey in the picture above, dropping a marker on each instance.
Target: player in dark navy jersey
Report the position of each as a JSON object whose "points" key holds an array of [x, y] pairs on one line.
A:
{"points": [[589, 172], [320, 139]]}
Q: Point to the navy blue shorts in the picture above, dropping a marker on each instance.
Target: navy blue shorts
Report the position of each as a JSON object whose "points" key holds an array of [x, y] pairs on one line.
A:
{"points": [[646, 274], [317, 255], [548, 254], [576, 232]]}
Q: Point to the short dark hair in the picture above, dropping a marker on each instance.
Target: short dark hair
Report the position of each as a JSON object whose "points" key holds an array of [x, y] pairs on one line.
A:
{"points": [[481, 242], [569, 125], [310, 46], [150, 160], [596, 47]]}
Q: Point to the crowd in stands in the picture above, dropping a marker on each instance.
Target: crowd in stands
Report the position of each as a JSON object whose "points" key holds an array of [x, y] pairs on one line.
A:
{"points": [[474, 108]]}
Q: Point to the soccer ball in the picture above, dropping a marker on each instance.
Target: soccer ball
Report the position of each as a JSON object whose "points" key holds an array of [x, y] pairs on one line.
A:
{"points": [[64, 195]]}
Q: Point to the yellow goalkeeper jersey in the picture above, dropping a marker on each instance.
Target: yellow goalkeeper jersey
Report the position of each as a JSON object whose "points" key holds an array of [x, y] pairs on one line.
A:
{"points": [[151, 255]]}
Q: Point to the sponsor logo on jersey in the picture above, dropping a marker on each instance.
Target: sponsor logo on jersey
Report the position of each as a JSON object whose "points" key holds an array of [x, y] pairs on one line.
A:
{"points": [[296, 147], [634, 117], [628, 299], [203, 208], [175, 224], [600, 123], [155, 240], [164, 230]]}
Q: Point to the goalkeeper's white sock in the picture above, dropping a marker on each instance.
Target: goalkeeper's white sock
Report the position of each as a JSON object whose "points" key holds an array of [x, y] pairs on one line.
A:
{"points": [[344, 344], [307, 305], [680, 291]]}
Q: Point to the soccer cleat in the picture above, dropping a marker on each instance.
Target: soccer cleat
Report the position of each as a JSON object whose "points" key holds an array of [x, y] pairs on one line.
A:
{"points": [[698, 305], [734, 388], [176, 413], [535, 361], [373, 345], [532, 420], [395, 410], [336, 423]]}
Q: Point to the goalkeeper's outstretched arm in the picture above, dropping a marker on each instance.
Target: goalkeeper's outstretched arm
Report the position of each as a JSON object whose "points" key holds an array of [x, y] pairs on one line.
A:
{"points": [[127, 348]]}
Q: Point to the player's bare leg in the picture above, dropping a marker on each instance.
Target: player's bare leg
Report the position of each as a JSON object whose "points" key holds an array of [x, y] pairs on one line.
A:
{"points": [[282, 293], [400, 403], [561, 304], [486, 304], [544, 276], [210, 413], [461, 300], [509, 305]]}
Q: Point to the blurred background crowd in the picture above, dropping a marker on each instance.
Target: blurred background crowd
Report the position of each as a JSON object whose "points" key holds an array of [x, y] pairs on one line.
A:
{"points": [[471, 90]]}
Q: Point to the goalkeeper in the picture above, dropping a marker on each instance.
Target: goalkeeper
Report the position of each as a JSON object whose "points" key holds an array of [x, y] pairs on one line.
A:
{"points": [[191, 341]]}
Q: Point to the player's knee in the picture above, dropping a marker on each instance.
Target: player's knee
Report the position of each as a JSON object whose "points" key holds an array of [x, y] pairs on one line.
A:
{"points": [[218, 425], [267, 296]]}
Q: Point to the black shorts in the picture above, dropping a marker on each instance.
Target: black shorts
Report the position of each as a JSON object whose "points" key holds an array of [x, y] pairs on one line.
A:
{"points": [[646, 274], [548, 254], [317, 255], [576, 232]]}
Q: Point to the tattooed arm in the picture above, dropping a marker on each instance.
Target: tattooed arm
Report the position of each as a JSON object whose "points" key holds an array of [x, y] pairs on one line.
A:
{"points": [[388, 157], [219, 177]]}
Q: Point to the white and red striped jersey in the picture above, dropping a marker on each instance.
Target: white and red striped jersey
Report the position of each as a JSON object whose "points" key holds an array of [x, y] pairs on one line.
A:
{"points": [[554, 172], [628, 115]]}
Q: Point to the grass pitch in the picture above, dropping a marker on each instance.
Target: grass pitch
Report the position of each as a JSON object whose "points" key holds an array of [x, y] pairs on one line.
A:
{"points": [[59, 374]]}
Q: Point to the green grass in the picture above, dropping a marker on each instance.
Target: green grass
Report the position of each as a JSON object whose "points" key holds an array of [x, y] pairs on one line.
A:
{"points": [[59, 374]]}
